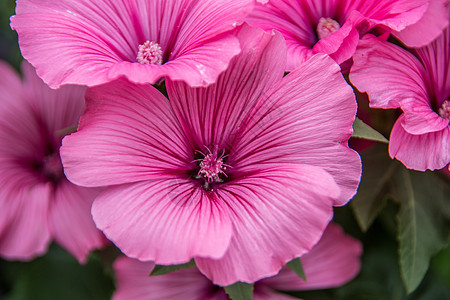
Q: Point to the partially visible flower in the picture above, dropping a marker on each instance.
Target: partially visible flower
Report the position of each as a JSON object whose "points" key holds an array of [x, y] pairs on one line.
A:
{"points": [[37, 203], [241, 175], [419, 84], [331, 263], [92, 42], [428, 28], [331, 27]]}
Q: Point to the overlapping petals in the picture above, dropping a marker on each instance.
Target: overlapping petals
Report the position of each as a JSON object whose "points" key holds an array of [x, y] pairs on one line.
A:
{"points": [[419, 85], [86, 42], [298, 22], [331, 263], [37, 202], [163, 209]]}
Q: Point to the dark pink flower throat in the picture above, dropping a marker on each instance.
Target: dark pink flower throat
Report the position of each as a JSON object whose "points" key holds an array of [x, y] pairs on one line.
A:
{"points": [[211, 168]]}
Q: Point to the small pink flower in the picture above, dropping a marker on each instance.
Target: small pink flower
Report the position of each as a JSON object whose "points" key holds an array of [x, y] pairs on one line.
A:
{"points": [[37, 203], [331, 27], [93, 42], [418, 84], [241, 175], [331, 263]]}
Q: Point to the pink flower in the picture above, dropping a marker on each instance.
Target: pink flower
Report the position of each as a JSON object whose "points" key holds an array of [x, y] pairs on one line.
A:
{"points": [[428, 28], [37, 203], [331, 263], [418, 84], [93, 42], [331, 27], [241, 175]]}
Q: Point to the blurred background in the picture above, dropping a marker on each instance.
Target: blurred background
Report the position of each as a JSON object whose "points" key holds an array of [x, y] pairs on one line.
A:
{"points": [[59, 276]]}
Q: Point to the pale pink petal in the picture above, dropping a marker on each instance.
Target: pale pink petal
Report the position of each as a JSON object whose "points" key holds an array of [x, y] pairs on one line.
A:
{"points": [[57, 109], [70, 220], [24, 231], [210, 116], [306, 118], [428, 28], [393, 78], [134, 282], [334, 261], [80, 42], [387, 73], [10, 85], [168, 221], [277, 214], [420, 152], [128, 133]]}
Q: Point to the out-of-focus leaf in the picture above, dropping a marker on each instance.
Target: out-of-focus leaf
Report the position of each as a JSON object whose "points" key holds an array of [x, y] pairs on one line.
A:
{"points": [[363, 131], [296, 266], [58, 275], [240, 291], [378, 169], [422, 227], [161, 269]]}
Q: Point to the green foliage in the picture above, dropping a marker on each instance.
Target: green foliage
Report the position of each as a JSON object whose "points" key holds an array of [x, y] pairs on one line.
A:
{"points": [[296, 266], [57, 275], [240, 291], [364, 131], [161, 269], [423, 214]]}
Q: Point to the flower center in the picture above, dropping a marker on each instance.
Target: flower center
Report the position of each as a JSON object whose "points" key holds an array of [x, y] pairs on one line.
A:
{"points": [[51, 168], [211, 168], [444, 110], [326, 27], [150, 53]]}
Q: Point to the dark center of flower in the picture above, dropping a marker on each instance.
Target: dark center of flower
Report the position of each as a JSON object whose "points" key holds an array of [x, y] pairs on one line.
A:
{"points": [[444, 110], [52, 169], [326, 27], [150, 53], [211, 168]]}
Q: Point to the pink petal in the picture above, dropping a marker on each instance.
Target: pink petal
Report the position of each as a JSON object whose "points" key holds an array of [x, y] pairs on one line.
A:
{"points": [[132, 137], [81, 41], [24, 232], [393, 77], [387, 73], [420, 152], [334, 261], [70, 220], [428, 28], [307, 119], [277, 214], [58, 109], [210, 116], [10, 85], [134, 282], [168, 221]]}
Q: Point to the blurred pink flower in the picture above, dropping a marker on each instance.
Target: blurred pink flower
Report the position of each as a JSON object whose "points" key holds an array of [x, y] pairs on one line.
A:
{"points": [[93, 42], [419, 84], [331, 263], [332, 27], [37, 203], [242, 173]]}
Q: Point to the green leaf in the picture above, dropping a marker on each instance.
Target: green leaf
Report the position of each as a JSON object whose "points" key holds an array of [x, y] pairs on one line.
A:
{"points": [[296, 266], [363, 131], [378, 169], [422, 222], [161, 269], [240, 291]]}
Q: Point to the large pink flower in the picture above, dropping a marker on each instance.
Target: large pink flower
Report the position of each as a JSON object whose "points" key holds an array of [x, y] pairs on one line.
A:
{"points": [[418, 84], [331, 263], [93, 42], [37, 203], [333, 26], [241, 175]]}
